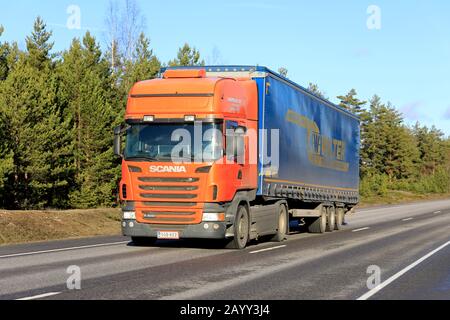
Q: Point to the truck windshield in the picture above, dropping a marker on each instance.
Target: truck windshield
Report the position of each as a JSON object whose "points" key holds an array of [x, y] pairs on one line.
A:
{"points": [[191, 142]]}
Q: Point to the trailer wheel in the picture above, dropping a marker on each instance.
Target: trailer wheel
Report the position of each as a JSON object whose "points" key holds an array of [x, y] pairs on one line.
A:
{"points": [[339, 218], [320, 224], [282, 227], [331, 218], [241, 230], [142, 241]]}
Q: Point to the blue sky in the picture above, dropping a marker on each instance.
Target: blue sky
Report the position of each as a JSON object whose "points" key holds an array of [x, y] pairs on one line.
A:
{"points": [[406, 62]]}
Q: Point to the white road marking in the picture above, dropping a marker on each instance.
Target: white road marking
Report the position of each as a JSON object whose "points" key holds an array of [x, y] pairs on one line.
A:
{"points": [[40, 296], [436, 212], [407, 219], [400, 273], [63, 249], [267, 249], [361, 229]]}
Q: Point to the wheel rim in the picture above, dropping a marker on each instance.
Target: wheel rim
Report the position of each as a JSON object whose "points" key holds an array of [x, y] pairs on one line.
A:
{"points": [[332, 218], [339, 218], [282, 221], [242, 232], [323, 220]]}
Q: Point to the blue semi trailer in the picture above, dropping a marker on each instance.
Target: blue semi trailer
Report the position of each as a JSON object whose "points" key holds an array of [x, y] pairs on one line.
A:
{"points": [[281, 154]]}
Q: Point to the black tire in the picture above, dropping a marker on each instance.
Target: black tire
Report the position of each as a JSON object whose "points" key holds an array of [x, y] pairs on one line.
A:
{"points": [[331, 218], [339, 218], [143, 241], [241, 230], [319, 225], [283, 223]]}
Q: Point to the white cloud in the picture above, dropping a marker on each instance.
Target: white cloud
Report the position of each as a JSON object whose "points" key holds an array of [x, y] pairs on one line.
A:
{"points": [[412, 111]]}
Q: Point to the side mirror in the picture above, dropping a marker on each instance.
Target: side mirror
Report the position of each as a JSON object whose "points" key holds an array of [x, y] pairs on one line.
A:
{"points": [[118, 141]]}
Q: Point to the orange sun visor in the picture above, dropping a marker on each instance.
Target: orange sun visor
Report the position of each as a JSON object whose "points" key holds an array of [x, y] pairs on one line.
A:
{"points": [[185, 73]]}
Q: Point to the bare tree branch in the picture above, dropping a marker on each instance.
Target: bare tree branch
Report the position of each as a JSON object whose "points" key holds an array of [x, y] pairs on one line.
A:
{"points": [[124, 22]]}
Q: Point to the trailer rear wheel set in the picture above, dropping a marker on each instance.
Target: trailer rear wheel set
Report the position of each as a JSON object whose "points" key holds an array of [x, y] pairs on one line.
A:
{"points": [[330, 219], [340, 214]]}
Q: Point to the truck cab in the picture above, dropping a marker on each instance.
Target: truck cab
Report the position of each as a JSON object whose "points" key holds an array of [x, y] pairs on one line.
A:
{"points": [[184, 133]]}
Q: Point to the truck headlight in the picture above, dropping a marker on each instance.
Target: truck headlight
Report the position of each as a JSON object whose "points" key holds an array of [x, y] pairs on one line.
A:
{"points": [[213, 217], [129, 215]]}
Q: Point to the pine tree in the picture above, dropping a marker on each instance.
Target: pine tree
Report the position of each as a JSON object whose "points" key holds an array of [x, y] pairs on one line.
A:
{"points": [[88, 93], [447, 154], [351, 103], [187, 56], [37, 135], [432, 148], [3, 57], [38, 45], [314, 88], [6, 154], [406, 157], [8, 56], [371, 157], [283, 71], [389, 147]]}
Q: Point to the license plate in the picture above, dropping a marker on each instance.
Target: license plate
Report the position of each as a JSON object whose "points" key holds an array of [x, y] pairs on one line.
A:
{"points": [[168, 235]]}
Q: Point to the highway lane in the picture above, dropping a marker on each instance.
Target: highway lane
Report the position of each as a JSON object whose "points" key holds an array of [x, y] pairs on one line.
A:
{"points": [[431, 280], [329, 266]]}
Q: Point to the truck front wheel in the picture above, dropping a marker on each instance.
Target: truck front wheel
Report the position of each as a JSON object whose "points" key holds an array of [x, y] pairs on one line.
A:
{"points": [[241, 229]]}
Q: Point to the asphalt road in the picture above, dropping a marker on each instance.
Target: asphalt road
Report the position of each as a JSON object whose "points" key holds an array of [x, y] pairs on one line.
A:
{"points": [[408, 244]]}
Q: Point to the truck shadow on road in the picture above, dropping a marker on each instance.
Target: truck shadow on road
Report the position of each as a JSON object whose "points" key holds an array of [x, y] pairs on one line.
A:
{"points": [[207, 244]]}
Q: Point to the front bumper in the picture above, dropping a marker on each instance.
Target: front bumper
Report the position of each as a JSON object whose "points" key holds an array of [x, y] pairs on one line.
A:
{"points": [[215, 230]]}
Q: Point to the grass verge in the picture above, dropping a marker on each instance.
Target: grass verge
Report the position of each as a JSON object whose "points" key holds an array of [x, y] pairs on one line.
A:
{"points": [[32, 226], [399, 197]]}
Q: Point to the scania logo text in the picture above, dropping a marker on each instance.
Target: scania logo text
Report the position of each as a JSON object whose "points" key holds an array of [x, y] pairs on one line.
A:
{"points": [[164, 169]]}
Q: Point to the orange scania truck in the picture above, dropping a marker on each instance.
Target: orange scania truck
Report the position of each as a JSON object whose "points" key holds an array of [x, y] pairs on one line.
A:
{"points": [[233, 153]]}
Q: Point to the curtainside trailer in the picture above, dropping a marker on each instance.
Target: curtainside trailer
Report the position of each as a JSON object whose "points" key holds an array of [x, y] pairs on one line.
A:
{"points": [[233, 153]]}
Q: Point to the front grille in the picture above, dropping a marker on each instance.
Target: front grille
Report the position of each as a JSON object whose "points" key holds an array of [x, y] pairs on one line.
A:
{"points": [[168, 188], [160, 216], [179, 220], [169, 193], [168, 196], [168, 204], [153, 214], [155, 187]]}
